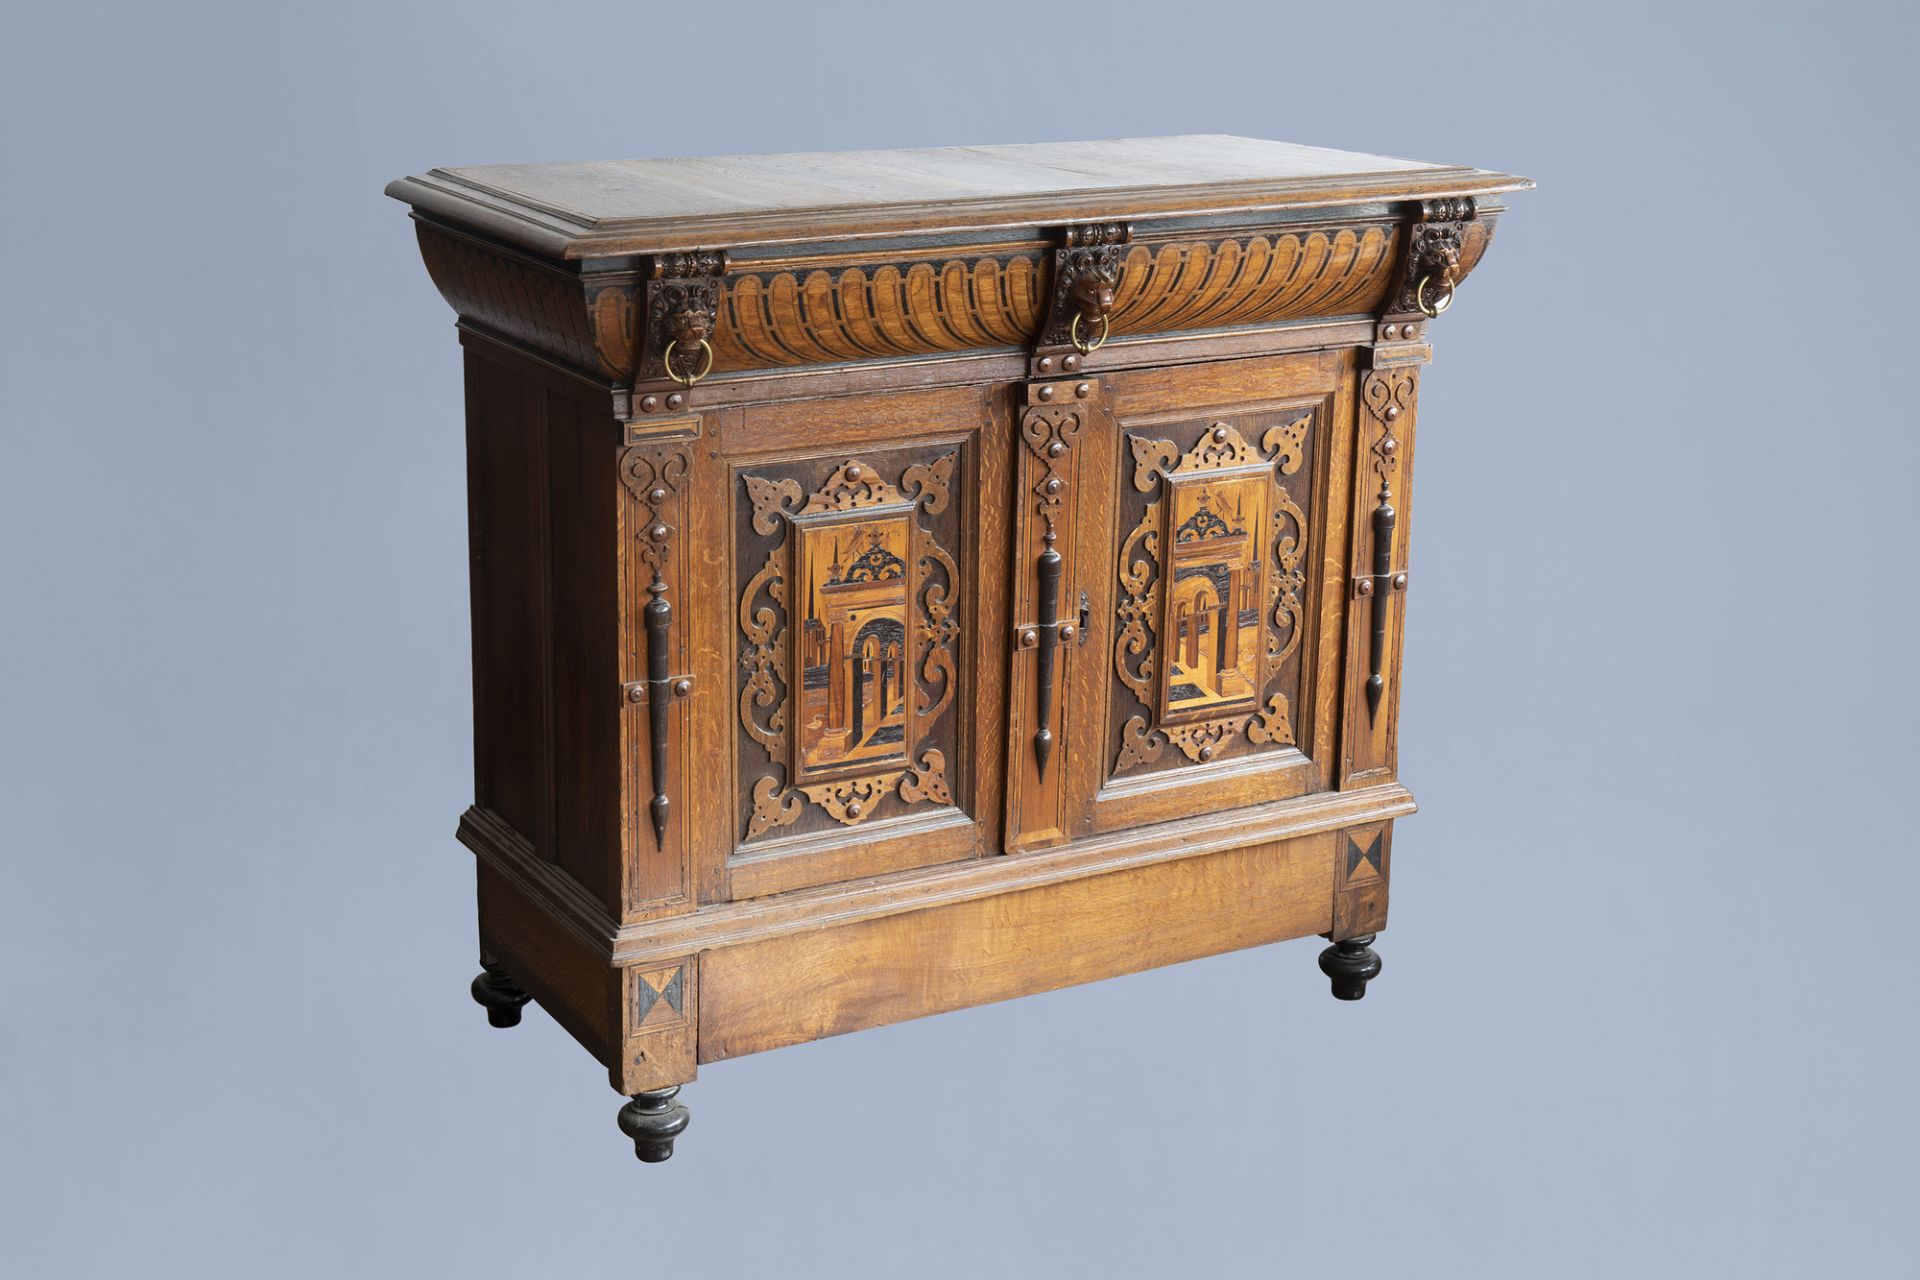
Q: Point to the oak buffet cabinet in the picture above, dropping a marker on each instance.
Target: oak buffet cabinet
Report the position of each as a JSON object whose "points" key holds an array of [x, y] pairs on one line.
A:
{"points": [[908, 579]]}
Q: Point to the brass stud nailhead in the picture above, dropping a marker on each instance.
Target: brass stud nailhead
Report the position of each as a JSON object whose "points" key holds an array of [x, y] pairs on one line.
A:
{"points": [[681, 688], [675, 400], [1046, 364], [649, 403], [1083, 390], [1046, 393]]}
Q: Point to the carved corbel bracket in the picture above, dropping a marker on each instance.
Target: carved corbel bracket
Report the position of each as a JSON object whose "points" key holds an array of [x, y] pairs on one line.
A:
{"points": [[682, 310], [1086, 273], [1442, 248]]}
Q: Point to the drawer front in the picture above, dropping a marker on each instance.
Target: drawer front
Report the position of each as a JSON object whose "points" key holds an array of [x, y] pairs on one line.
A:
{"points": [[1213, 566], [855, 596]]}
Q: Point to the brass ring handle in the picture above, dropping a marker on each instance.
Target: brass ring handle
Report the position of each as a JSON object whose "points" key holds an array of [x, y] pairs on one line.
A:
{"points": [[1431, 309], [1074, 334], [687, 380]]}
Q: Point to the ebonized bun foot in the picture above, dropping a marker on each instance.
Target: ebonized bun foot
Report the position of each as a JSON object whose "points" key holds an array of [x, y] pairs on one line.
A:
{"points": [[1351, 965], [653, 1120], [500, 995]]}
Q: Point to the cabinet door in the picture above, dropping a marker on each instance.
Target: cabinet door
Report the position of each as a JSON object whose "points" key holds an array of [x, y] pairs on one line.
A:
{"points": [[1212, 541], [862, 619]]}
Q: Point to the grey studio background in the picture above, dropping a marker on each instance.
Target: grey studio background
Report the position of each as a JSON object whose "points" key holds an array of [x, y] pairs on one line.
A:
{"points": [[1648, 1002]]}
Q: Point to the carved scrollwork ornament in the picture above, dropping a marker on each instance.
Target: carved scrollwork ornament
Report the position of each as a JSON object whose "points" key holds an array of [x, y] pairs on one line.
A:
{"points": [[928, 781]]}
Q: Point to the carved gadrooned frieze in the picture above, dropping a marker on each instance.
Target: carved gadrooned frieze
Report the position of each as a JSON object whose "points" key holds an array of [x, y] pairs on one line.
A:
{"points": [[847, 627], [833, 313], [1210, 611]]}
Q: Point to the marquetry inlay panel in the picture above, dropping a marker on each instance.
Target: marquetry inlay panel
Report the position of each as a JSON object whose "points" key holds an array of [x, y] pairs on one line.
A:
{"points": [[1211, 606], [847, 631]]}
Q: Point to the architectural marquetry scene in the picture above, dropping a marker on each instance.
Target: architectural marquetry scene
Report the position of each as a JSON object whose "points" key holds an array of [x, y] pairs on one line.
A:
{"points": [[1212, 584], [847, 638]]}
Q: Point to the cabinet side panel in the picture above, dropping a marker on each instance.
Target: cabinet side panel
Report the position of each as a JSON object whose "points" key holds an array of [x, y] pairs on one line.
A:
{"points": [[578, 989], [582, 444], [507, 498]]}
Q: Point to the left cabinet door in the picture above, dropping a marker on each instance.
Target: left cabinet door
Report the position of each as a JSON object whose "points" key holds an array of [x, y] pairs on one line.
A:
{"points": [[865, 581]]}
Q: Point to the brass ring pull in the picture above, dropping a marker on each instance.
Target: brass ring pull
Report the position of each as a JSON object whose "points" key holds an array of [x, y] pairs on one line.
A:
{"points": [[687, 380], [1085, 349], [1433, 309]]}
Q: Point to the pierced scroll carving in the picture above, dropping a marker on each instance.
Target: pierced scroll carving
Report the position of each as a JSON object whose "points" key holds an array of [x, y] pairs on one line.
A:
{"points": [[854, 800], [848, 631], [1212, 581], [773, 806], [928, 781], [1200, 740], [852, 485], [1138, 744], [765, 655], [937, 628], [927, 483], [1270, 724], [1139, 605], [770, 499]]}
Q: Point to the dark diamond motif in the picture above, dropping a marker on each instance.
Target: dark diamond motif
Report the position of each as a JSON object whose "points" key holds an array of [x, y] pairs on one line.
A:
{"points": [[673, 993], [1356, 855]]}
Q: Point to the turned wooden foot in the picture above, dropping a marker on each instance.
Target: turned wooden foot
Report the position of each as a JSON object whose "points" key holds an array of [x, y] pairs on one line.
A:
{"points": [[1351, 965], [500, 995], [653, 1120]]}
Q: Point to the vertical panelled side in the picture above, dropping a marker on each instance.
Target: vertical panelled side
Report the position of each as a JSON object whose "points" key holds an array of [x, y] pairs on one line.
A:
{"points": [[507, 498], [583, 442]]}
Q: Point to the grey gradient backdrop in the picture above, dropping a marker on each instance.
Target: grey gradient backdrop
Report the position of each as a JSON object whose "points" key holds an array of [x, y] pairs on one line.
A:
{"points": [[1648, 1003]]}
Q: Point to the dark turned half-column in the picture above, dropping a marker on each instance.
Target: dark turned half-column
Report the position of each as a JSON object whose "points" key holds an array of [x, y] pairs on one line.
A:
{"points": [[500, 995], [1351, 964], [653, 1120]]}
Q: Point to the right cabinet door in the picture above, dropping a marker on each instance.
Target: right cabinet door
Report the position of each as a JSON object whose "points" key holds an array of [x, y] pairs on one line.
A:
{"points": [[1219, 547]]}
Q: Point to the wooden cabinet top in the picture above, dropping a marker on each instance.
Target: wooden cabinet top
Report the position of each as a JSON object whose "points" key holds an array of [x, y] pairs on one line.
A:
{"points": [[598, 209]]}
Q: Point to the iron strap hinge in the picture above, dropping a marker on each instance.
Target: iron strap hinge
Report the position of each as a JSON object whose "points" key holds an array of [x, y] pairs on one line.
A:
{"points": [[640, 692]]}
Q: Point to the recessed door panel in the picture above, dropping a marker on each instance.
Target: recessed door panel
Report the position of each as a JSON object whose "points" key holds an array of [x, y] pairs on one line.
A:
{"points": [[1222, 643], [856, 593]]}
